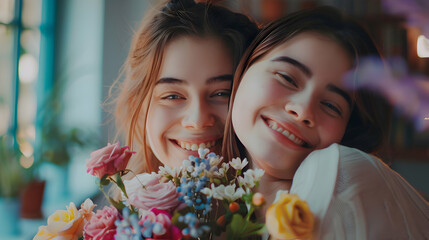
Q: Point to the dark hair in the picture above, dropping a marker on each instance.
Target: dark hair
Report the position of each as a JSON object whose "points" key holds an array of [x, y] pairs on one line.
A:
{"points": [[367, 127], [166, 22]]}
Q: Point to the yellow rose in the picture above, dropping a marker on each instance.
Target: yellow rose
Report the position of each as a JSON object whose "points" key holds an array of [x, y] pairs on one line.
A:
{"points": [[67, 224], [289, 218]]}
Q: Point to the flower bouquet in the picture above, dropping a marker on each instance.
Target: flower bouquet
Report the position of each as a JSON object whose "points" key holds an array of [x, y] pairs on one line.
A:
{"points": [[202, 199]]}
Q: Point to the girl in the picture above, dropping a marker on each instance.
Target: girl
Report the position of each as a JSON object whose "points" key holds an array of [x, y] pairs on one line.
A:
{"points": [[178, 75], [289, 100]]}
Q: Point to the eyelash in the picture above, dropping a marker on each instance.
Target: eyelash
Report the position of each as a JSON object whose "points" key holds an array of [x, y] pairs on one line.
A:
{"points": [[286, 78], [224, 93], [172, 97], [333, 108], [221, 93]]}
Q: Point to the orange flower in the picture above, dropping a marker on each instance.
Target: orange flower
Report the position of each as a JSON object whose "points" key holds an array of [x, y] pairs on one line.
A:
{"points": [[289, 218]]}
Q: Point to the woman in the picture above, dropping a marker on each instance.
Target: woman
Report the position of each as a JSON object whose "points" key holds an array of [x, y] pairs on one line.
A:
{"points": [[290, 104], [177, 79]]}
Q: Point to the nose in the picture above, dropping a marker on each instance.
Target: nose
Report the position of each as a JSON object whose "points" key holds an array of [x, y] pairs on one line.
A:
{"points": [[198, 116], [302, 112]]}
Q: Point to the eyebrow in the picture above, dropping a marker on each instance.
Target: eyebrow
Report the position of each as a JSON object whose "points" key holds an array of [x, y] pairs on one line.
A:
{"points": [[341, 92], [294, 62], [220, 78], [308, 72]]}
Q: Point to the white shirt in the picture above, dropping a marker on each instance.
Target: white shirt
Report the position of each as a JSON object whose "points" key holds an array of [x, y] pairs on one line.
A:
{"points": [[354, 195]]}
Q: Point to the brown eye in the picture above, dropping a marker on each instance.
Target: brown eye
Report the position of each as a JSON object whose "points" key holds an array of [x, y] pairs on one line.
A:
{"points": [[332, 108], [223, 93], [286, 78]]}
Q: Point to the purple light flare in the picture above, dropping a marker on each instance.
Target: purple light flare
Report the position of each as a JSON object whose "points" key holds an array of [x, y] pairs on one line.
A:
{"points": [[416, 12], [408, 93]]}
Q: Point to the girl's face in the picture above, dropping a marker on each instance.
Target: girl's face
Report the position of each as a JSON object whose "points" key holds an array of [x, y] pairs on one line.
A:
{"points": [[190, 99], [292, 102]]}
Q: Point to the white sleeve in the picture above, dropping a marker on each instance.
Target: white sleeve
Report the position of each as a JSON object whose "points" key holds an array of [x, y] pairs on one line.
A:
{"points": [[369, 200]]}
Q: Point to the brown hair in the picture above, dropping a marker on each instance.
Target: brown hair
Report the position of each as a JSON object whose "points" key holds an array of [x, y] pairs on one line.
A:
{"points": [[163, 24], [367, 127]]}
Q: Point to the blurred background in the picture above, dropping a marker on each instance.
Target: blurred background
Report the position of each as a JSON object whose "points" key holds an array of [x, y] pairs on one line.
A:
{"points": [[58, 59]]}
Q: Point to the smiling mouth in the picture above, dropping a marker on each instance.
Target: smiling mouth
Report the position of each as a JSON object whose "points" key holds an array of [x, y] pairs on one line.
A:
{"points": [[298, 141], [194, 146]]}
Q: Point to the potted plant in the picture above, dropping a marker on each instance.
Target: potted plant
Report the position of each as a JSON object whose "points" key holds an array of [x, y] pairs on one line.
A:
{"points": [[52, 154], [57, 144], [12, 181]]}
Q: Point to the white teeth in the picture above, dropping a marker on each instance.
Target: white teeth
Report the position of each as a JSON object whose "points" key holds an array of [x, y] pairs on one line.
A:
{"points": [[195, 146], [285, 132], [290, 136]]}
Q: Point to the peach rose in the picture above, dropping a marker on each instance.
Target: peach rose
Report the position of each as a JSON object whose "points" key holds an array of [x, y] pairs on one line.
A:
{"points": [[86, 209], [67, 224], [154, 194], [102, 224], [289, 218], [108, 160], [44, 234]]}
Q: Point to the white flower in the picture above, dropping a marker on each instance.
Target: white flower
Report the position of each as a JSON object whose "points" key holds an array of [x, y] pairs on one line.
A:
{"points": [[212, 172], [225, 166], [187, 166], [256, 174], [229, 192], [207, 191], [251, 177], [220, 173], [202, 152], [247, 181], [237, 164], [167, 171], [214, 161]]}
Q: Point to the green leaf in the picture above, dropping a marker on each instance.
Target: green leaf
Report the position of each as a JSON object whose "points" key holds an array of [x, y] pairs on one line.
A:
{"points": [[243, 209], [236, 228], [259, 230], [118, 205], [239, 228], [104, 181], [247, 198], [120, 183]]}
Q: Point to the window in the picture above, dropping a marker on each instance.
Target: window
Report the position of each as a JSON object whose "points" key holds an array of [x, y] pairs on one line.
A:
{"points": [[25, 28]]}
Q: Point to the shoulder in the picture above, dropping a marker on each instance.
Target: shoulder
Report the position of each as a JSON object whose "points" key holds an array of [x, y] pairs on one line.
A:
{"points": [[356, 163]]}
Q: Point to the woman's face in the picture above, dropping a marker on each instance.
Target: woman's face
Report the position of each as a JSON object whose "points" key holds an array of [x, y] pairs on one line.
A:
{"points": [[292, 102], [190, 99]]}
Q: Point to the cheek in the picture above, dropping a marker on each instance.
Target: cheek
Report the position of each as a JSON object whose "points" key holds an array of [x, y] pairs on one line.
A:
{"points": [[331, 132], [158, 120], [243, 107], [221, 112]]}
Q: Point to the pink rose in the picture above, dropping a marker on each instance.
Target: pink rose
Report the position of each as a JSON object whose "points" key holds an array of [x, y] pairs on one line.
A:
{"points": [[102, 225], [108, 160], [169, 231], [154, 194]]}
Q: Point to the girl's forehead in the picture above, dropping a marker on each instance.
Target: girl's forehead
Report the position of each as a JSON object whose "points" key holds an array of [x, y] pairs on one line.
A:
{"points": [[301, 41]]}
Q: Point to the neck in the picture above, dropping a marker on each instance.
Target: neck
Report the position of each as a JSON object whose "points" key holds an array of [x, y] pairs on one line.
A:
{"points": [[269, 186]]}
